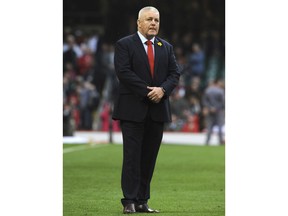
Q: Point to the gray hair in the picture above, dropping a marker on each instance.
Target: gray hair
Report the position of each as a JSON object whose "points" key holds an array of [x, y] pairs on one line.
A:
{"points": [[148, 8]]}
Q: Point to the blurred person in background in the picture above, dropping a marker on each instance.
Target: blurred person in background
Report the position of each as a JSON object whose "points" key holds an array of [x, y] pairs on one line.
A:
{"points": [[194, 105], [175, 125], [85, 62], [88, 102], [69, 80], [68, 123], [195, 108], [192, 124], [106, 120], [214, 105], [179, 105], [196, 63], [93, 40], [74, 104], [71, 51], [194, 89], [147, 71], [108, 64]]}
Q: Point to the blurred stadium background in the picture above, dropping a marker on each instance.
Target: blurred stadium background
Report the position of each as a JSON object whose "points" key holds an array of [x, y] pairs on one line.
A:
{"points": [[196, 29]]}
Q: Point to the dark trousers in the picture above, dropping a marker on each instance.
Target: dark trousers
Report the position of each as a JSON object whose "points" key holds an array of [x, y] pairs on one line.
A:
{"points": [[141, 143]]}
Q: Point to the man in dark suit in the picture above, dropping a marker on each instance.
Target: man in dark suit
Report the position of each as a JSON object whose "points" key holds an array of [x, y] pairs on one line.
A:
{"points": [[147, 71]]}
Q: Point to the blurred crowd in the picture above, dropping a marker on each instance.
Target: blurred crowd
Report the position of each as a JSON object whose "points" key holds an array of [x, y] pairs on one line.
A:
{"points": [[90, 83]]}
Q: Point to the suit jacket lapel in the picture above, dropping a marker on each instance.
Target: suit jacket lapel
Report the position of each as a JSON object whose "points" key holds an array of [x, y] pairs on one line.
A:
{"points": [[158, 52], [141, 50]]}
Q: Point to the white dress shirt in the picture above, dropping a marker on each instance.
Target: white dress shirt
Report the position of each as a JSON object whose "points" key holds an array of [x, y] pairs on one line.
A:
{"points": [[143, 39]]}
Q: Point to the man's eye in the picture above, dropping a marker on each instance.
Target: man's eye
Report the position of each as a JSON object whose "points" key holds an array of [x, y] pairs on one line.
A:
{"points": [[150, 20]]}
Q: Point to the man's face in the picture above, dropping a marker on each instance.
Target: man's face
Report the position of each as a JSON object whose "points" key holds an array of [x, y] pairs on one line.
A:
{"points": [[148, 24]]}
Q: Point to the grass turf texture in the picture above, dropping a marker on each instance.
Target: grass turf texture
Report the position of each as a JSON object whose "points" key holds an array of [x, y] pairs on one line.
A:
{"points": [[188, 180]]}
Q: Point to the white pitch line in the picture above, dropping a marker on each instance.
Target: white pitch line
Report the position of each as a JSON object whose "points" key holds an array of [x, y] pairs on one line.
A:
{"points": [[79, 148]]}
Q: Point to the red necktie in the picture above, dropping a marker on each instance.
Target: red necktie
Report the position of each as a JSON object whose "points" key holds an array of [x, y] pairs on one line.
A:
{"points": [[150, 56]]}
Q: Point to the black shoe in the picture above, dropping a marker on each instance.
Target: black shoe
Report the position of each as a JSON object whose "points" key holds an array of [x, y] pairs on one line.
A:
{"points": [[129, 209], [145, 208]]}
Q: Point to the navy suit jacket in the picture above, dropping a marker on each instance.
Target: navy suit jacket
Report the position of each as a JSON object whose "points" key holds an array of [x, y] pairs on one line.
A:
{"points": [[133, 72]]}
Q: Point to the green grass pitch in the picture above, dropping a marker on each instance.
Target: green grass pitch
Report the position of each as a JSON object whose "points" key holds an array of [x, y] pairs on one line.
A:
{"points": [[188, 180]]}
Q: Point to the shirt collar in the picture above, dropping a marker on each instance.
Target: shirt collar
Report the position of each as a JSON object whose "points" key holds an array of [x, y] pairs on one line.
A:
{"points": [[143, 39]]}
